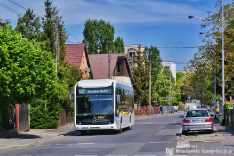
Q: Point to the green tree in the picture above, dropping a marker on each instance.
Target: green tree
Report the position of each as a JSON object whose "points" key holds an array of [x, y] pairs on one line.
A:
{"points": [[26, 72], [161, 89], [153, 56], [141, 77], [119, 45], [210, 53], [30, 26], [48, 22], [48, 27], [99, 37]]}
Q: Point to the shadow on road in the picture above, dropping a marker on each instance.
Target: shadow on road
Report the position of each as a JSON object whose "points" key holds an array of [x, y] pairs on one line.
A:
{"points": [[95, 132], [22, 136]]}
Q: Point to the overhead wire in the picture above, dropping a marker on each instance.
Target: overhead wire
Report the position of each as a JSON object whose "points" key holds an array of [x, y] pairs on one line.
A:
{"points": [[19, 14]]}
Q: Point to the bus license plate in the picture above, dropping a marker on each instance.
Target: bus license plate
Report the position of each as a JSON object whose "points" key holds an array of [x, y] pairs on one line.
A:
{"points": [[94, 128]]}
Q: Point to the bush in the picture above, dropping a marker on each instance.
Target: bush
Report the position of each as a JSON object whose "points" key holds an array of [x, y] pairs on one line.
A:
{"points": [[181, 105], [45, 117], [227, 105]]}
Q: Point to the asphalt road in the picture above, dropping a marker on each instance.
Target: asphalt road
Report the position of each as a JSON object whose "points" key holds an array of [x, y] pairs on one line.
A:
{"points": [[152, 136]]}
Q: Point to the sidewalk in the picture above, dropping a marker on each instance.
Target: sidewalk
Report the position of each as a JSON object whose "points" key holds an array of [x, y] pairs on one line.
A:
{"points": [[226, 130]]}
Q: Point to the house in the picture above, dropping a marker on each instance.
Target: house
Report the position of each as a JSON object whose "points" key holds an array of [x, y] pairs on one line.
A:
{"points": [[130, 51], [77, 54], [119, 67], [170, 66]]}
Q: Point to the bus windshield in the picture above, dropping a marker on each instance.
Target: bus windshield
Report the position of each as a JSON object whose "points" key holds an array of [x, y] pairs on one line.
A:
{"points": [[94, 101]]}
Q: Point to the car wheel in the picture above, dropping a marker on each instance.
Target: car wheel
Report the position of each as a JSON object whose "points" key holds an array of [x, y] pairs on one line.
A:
{"points": [[183, 132]]}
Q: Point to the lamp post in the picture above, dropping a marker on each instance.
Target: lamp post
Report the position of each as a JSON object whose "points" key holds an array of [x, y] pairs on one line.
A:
{"points": [[149, 82], [215, 103], [223, 89]]}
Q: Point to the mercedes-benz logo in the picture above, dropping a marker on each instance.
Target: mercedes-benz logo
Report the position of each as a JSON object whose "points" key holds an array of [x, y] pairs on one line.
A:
{"points": [[94, 120]]}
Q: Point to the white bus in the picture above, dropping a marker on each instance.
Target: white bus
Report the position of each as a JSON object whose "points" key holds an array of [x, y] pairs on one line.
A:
{"points": [[103, 104]]}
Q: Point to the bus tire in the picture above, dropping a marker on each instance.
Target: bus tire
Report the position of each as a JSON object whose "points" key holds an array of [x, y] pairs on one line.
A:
{"points": [[120, 127], [130, 125], [83, 132]]}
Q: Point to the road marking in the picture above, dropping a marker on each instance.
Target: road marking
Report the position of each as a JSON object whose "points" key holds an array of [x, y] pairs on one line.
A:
{"points": [[44, 145], [162, 142], [85, 155], [145, 155], [162, 127], [116, 155], [85, 143], [63, 144]]}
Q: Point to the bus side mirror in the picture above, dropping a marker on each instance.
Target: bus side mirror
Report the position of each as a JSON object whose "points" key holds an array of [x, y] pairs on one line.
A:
{"points": [[70, 96], [117, 98]]}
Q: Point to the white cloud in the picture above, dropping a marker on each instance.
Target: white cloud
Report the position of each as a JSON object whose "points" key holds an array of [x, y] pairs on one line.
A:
{"points": [[114, 11]]}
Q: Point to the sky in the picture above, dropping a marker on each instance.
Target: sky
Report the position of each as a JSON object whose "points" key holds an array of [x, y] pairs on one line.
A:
{"points": [[161, 23]]}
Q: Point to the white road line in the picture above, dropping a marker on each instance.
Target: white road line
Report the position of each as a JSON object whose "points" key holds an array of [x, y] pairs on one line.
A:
{"points": [[145, 155], [86, 155], [85, 143], [116, 155], [63, 144], [162, 127], [44, 145]]}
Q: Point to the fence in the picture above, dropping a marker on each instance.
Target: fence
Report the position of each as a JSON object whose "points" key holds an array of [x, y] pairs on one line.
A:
{"points": [[145, 110], [67, 116]]}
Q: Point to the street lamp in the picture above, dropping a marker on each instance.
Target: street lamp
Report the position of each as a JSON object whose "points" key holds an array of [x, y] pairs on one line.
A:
{"points": [[215, 103], [223, 89]]}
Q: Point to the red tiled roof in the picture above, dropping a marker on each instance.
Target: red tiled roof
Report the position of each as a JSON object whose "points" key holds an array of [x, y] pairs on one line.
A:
{"points": [[99, 65], [74, 53]]}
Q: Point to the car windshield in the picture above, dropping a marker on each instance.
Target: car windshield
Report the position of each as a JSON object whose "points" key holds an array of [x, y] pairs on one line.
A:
{"points": [[197, 113]]}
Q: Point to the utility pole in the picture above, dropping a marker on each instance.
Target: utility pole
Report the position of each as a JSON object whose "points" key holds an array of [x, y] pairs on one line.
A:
{"points": [[109, 58], [57, 53], [170, 95], [150, 89]]}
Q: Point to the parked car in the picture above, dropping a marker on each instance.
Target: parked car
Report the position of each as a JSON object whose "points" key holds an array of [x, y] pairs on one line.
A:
{"points": [[197, 120]]}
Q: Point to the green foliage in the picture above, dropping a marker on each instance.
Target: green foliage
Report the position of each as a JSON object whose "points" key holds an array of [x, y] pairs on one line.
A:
{"points": [[227, 105], [1, 123], [68, 76], [179, 78], [141, 77], [29, 26], [119, 45], [99, 37], [196, 85], [48, 22], [153, 56], [26, 72], [181, 105], [161, 89], [45, 114], [209, 56], [63, 36]]}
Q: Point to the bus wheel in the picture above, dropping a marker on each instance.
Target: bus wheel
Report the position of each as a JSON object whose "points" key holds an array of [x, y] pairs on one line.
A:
{"points": [[120, 128], [130, 125], [83, 132]]}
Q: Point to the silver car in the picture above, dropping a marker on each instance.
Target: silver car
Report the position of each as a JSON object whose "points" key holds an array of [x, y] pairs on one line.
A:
{"points": [[197, 120]]}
